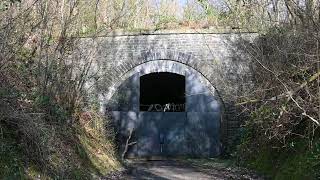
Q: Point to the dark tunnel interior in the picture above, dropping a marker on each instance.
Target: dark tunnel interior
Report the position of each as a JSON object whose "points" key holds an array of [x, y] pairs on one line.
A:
{"points": [[162, 92]]}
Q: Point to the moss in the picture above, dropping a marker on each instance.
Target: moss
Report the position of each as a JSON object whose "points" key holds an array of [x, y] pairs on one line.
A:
{"points": [[303, 164], [295, 163], [11, 162]]}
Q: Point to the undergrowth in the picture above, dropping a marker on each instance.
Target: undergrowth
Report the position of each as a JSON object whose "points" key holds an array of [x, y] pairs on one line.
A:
{"points": [[75, 152], [295, 163], [281, 134]]}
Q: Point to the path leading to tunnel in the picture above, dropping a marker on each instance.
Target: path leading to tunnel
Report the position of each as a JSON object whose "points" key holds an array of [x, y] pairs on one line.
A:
{"points": [[185, 170]]}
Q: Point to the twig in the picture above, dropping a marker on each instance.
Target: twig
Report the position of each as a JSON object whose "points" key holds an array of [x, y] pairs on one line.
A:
{"points": [[127, 145], [283, 95]]}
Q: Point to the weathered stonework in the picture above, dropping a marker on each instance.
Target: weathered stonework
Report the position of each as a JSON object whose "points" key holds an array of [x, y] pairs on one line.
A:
{"points": [[212, 56]]}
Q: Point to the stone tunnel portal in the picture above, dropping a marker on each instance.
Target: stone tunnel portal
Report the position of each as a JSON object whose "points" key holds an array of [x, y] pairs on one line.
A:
{"points": [[169, 109]]}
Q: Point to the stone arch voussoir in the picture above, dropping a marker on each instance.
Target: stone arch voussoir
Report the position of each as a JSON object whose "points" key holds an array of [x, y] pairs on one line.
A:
{"points": [[120, 72]]}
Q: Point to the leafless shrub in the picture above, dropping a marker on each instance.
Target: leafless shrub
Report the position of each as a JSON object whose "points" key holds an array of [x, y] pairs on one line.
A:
{"points": [[41, 87], [285, 103]]}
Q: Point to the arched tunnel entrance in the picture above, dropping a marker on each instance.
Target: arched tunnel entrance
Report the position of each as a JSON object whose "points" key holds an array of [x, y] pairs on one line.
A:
{"points": [[162, 92], [168, 112]]}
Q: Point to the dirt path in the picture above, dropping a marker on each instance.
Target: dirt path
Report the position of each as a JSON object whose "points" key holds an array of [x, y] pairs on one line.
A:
{"points": [[184, 170]]}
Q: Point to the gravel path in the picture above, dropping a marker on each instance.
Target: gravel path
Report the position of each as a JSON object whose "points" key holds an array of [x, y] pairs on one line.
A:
{"points": [[182, 170]]}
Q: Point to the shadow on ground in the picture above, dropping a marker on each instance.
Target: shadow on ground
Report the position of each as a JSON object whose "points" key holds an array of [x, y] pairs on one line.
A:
{"points": [[183, 170]]}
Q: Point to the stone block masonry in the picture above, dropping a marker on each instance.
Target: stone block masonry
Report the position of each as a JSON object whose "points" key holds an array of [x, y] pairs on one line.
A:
{"points": [[213, 56]]}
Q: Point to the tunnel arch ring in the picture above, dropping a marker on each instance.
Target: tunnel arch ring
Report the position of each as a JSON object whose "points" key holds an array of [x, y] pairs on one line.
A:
{"points": [[162, 65]]}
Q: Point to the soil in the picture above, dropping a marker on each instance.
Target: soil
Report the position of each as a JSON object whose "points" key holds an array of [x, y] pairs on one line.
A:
{"points": [[182, 170]]}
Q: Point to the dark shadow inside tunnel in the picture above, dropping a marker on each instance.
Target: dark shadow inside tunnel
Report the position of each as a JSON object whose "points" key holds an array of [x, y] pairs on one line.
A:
{"points": [[162, 92]]}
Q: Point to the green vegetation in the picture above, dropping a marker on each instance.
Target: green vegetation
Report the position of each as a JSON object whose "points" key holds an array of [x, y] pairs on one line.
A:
{"points": [[296, 162], [50, 127], [56, 152], [11, 158], [280, 135]]}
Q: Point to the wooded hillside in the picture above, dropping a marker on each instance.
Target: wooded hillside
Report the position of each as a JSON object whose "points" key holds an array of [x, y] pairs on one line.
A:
{"points": [[50, 125]]}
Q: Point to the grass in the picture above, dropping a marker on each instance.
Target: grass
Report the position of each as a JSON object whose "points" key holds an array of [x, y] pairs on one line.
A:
{"points": [[99, 151], [73, 153]]}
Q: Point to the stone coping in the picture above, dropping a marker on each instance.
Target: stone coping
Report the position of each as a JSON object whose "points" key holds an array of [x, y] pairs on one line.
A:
{"points": [[171, 32]]}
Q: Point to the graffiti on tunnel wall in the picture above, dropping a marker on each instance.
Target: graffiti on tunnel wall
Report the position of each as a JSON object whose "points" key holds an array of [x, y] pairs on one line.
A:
{"points": [[170, 107]]}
